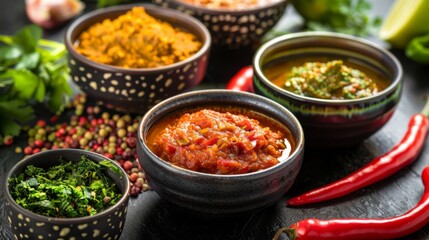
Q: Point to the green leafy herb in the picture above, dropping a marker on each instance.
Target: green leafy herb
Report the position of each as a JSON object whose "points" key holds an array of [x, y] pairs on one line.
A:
{"points": [[66, 190], [112, 167], [345, 16], [32, 70]]}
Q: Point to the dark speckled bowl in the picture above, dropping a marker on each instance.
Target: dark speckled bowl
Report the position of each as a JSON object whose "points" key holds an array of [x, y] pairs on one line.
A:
{"points": [[332, 123], [136, 89], [213, 194], [233, 28], [107, 224]]}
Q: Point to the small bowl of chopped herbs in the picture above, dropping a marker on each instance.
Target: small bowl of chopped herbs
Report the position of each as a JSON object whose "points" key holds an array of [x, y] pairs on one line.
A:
{"points": [[341, 88], [66, 194]]}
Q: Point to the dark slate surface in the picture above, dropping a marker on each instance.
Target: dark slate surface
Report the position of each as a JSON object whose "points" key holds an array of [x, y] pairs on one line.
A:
{"points": [[151, 218]]}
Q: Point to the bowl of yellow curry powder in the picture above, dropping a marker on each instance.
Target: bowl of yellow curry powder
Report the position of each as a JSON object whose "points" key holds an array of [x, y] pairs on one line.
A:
{"points": [[341, 88], [131, 57]]}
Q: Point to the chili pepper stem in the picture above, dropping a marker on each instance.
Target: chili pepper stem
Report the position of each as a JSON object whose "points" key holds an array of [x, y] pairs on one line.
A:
{"points": [[425, 110], [290, 232]]}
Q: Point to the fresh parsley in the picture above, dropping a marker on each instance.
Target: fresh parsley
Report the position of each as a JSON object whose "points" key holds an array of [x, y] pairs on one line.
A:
{"points": [[345, 16], [32, 70], [66, 190]]}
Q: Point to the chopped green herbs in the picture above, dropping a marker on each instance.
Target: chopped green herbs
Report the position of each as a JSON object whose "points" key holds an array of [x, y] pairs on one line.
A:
{"points": [[330, 80], [67, 190], [32, 70]]}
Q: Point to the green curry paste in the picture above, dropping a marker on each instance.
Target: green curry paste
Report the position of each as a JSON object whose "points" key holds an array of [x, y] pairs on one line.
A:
{"points": [[329, 80]]}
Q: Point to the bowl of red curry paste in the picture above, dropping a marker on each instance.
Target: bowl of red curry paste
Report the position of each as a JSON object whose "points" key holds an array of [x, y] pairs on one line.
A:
{"points": [[130, 57], [220, 152], [342, 88]]}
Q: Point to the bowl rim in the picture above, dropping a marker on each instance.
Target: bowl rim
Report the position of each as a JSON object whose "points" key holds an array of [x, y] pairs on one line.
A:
{"points": [[149, 8], [323, 34], [10, 200], [229, 11], [299, 149]]}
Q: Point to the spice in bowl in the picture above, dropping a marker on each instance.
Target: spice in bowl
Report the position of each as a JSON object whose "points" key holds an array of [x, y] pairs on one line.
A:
{"points": [[229, 142], [136, 40], [68, 190], [230, 4]]}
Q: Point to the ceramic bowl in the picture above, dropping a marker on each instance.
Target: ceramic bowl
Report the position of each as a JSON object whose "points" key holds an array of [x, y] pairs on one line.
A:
{"points": [[136, 89], [233, 28], [107, 224], [332, 123], [214, 194]]}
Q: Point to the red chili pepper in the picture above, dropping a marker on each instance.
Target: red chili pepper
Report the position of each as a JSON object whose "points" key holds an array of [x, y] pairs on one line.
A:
{"points": [[242, 80], [364, 228], [402, 154]]}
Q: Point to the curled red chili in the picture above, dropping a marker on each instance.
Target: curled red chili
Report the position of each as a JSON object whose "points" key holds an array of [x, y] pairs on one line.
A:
{"points": [[242, 80], [402, 154], [364, 228]]}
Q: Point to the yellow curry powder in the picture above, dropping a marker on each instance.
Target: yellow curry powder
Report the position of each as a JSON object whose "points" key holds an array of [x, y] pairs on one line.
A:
{"points": [[136, 40]]}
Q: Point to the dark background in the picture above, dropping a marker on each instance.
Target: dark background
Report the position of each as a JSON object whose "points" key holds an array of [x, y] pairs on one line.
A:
{"points": [[151, 218]]}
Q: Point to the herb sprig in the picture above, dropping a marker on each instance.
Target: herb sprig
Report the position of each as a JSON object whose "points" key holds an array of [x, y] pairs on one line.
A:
{"points": [[32, 70], [347, 16], [66, 190]]}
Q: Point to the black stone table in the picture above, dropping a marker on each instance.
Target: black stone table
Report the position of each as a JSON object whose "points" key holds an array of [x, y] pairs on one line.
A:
{"points": [[149, 217]]}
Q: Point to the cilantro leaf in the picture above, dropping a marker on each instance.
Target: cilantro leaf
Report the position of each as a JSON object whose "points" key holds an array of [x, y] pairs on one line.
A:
{"points": [[25, 83], [27, 39], [32, 70]]}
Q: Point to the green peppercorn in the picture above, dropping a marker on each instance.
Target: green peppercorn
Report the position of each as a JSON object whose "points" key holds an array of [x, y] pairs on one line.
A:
{"points": [[32, 132], [111, 150], [127, 118], [88, 135], [112, 139], [130, 129], [105, 115], [102, 132], [51, 137], [121, 132], [83, 142]]}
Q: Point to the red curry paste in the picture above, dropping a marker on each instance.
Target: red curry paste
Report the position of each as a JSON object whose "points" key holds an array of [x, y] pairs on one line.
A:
{"points": [[215, 142]]}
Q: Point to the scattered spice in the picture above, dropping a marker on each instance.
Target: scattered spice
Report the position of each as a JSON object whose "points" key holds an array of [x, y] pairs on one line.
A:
{"points": [[216, 142], [89, 128], [230, 4], [65, 190], [136, 40], [330, 80]]}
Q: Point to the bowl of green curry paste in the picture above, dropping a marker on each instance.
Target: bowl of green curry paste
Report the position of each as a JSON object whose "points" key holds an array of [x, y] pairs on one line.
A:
{"points": [[341, 88]]}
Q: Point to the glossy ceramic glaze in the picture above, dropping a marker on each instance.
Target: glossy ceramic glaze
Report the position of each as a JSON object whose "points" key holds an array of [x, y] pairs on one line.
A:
{"points": [[233, 28], [220, 194], [136, 90], [332, 123], [29, 225]]}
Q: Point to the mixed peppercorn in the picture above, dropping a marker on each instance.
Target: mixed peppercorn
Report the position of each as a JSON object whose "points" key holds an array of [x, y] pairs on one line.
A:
{"points": [[112, 135]]}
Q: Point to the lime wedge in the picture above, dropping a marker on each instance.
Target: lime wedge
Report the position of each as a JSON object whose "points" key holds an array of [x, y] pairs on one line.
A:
{"points": [[406, 19]]}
